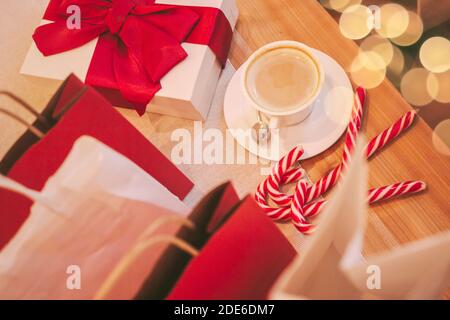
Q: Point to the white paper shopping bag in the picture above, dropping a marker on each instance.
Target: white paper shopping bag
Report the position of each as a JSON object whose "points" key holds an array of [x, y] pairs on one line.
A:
{"points": [[315, 274], [418, 270], [332, 266], [82, 223]]}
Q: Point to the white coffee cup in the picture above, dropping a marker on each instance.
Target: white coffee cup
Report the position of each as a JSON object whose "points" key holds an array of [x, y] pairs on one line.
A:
{"points": [[281, 67]]}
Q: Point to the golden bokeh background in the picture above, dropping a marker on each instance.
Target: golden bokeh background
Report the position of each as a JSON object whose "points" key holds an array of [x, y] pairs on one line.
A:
{"points": [[395, 43], [438, 85], [394, 20], [441, 137], [435, 54], [354, 22], [368, 69], [412, 33], [413, 87]]}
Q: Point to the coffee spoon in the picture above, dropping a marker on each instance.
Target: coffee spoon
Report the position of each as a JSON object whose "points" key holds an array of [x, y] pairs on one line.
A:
{"points": [[260, 131]]}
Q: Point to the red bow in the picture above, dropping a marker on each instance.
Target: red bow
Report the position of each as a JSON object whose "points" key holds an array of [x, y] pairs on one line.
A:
{"points": [[140, 41]]}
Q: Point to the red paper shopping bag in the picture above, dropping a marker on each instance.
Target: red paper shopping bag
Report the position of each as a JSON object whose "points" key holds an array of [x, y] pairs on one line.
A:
{"points": [[90, 114], [240, 261], [88, 214], [208, 215]]}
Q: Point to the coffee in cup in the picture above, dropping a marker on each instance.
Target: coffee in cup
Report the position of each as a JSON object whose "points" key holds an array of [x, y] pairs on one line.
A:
{"points": [[282, 79]]}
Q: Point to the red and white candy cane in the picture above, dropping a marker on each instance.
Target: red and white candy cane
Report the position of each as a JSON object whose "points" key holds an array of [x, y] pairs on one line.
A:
{"points": [[297, 204], [395, 190], [298, 207], [292, 175], [324, 184], [273, 181], [281, 174], [375, 195], [277, 177], [377, 143], [278, 213], [284, 173], [390, 133], [354, 125]]}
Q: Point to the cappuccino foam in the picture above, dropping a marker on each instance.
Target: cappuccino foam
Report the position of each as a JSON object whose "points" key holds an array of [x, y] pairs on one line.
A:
{"points": [[282, 79]]}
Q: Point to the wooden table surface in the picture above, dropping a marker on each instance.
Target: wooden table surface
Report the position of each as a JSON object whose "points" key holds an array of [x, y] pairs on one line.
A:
{"points": [[261, 21], [410, 157]]}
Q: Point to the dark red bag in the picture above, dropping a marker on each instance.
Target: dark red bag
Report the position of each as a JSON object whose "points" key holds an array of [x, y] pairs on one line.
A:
{"points": [[207, 216], [241, 260], [76, 110]]}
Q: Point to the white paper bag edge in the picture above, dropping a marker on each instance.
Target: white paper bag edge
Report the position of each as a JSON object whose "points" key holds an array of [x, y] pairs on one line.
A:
{"points": [[280, 288], [94, 162], [400, 258]]}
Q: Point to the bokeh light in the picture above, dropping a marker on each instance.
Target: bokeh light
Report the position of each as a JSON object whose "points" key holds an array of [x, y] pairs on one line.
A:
{"points": [[380, 46], [412, 33], [435, 54], [441, 137], [396, 66], [394, 20], [354, 22], [414, 87], [438, 86], [339, 5], [368, 69]]}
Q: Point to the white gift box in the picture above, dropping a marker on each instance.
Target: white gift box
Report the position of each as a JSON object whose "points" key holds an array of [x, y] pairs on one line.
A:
{"points": [[187, 90]]}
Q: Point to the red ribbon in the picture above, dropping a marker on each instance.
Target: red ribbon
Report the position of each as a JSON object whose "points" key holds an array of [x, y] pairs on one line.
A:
{"points": [[139, 41]]}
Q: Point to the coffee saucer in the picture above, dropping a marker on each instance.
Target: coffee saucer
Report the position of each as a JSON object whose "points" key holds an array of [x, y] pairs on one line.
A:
{"points": [[320, 130]]}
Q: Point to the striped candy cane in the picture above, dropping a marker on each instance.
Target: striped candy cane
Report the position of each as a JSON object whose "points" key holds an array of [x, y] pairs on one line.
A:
{"points": [[292, 175], [297, 204], [395, 190], [273, 180], [390, 133], [280, 174], [374, 195], [324, 184], [355, 124], [278, 213], [376, 144]]}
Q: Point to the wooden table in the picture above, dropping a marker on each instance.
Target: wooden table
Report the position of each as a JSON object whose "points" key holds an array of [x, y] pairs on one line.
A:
{"points": [[261, 21], [410, 157]]}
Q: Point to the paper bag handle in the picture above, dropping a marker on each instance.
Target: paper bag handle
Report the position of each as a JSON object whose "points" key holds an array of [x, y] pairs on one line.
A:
{"points": [[145, 241], [27, 107], [34, 195], [30, 127]]}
